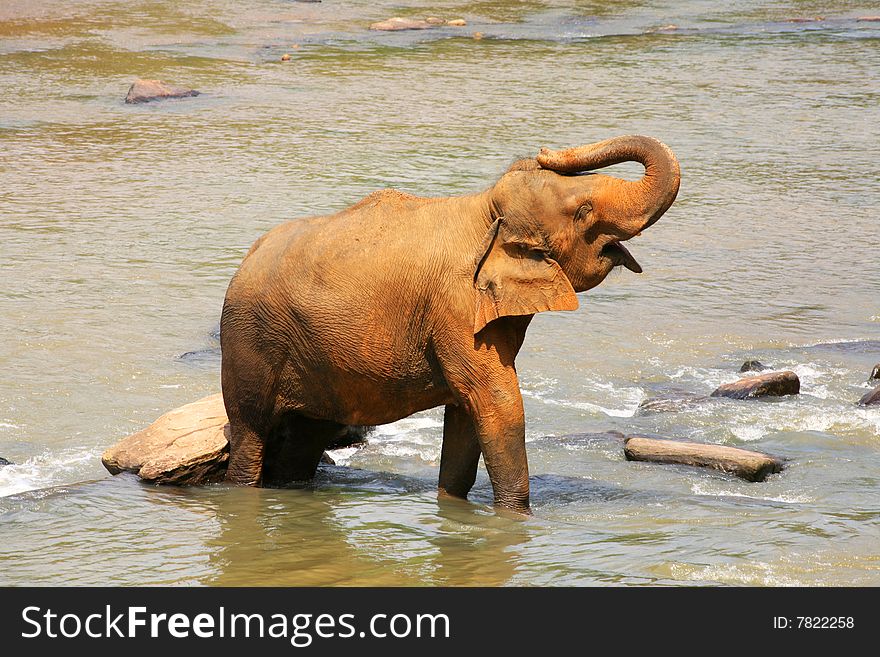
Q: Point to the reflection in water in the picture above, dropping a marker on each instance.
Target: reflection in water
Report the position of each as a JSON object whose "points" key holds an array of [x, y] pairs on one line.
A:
{"points": [[363, 529]]}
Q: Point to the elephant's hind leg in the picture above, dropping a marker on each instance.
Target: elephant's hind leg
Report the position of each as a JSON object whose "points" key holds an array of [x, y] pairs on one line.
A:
{"points": [[294, 449], [246, 450], [460, 453]]}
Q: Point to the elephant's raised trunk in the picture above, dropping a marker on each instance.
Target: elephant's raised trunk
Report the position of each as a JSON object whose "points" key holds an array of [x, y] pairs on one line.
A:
{"points": [[644, 200]]}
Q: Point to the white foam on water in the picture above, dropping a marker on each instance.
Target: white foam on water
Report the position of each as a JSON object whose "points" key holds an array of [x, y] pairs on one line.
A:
{"points": [[711, 378], [8, 425], [748, 432], [45, 470], [427, 453], [835, 341], [342, 456], [819, 391], [755, 574], [706, 489], [406, 426], [587, 406], [418, 436], [629, 397]]}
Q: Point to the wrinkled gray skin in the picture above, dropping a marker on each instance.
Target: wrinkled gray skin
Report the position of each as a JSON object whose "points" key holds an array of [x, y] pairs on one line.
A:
{"points": [[398, 304]]}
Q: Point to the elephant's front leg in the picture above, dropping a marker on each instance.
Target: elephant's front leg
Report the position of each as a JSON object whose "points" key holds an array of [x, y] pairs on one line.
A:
{"points": [[491, 403], [500, 423], [482, 377], [460, 454]]}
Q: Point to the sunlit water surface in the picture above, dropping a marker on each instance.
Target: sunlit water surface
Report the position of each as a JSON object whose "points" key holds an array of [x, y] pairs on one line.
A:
{"points": [[120, 227]]}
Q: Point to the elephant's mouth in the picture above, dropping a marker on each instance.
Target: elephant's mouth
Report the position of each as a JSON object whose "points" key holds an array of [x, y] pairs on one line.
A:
{"points": [[618, 254]]}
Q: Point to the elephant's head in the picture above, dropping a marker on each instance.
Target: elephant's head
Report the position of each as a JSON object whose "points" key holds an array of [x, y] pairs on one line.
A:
{"points": [[558, 230]]}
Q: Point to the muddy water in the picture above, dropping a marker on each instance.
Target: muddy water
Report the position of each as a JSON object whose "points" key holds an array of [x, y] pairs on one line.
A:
{"points": [[120, 227]]}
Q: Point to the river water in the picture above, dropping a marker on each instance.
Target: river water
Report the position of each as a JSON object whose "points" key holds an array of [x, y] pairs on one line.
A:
{"points": [[120, 227]]}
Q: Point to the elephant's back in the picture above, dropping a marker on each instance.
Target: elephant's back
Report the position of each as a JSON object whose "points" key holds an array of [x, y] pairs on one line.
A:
{"points": [[352, 291], [340, 310]]}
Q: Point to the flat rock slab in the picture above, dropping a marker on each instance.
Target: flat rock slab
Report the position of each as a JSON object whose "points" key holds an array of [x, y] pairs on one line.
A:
{"points": [[872, 398], [774, 384], [751, 466], [145, 91], [189, 445]]}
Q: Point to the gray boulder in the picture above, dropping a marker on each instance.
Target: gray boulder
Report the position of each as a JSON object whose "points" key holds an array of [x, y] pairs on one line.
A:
{"points": [[872, 398], [774, 384]]}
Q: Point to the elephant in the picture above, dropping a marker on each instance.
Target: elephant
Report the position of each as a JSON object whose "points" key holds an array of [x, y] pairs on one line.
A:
{"points": [[400, 303]]}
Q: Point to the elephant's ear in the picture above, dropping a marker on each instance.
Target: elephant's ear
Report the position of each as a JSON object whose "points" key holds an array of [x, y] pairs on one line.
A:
{"points": [[515, 276]]}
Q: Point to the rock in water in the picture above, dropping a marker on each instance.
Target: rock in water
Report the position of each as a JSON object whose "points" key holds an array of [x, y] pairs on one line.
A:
{"points": [[875, 373], [774, 384], [752, 466], [398, 23], [872, 398], [188, 445], [753, 366], [3, 461], [671, 402], [144, 91]]}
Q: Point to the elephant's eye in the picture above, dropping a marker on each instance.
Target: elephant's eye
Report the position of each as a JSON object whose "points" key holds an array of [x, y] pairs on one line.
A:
{"points": [[582, 212]]}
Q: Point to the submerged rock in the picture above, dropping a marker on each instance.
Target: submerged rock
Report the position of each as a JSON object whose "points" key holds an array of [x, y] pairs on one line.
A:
{"points": [[3, 461], [399, 23], [774, 384], [850, 346], [671, 402], [872, 398], [144, 91], [753, 366], [751, 466], [188, 445]]}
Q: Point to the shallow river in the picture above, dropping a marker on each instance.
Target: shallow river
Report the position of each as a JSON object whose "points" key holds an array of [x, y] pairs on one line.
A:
{"points": [[120, 227]]}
